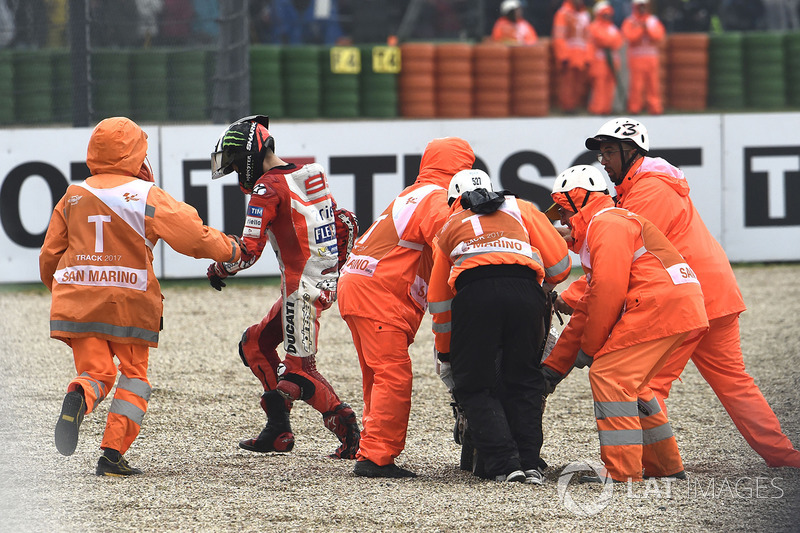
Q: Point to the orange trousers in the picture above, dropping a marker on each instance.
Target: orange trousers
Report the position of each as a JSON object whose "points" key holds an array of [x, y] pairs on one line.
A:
{"points": [[386, 382], [718, 357], [634, 431], [94, 362], [604, 85], [645, 85], [573, 84]]}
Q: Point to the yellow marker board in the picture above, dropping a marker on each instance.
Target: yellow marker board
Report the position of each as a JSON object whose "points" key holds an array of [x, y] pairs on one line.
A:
{"points": [[386, 59], [345, 60]]}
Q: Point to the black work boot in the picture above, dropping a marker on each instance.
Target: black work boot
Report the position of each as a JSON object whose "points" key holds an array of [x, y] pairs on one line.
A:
{"points": [[277, 435], [69, 422]]}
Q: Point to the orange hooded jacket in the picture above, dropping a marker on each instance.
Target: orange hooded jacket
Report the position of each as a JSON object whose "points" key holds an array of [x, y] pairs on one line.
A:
{"points": [[386, 276], [639, 286], [98, 251], [659, 191]]}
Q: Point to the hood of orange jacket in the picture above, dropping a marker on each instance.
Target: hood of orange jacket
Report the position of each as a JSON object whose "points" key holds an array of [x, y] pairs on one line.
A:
{"points": [[580, 221], [654, 167], [117, 146], [442, 159]]}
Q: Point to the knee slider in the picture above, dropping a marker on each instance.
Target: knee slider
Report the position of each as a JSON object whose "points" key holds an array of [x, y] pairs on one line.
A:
{"points": [[296, 387]]}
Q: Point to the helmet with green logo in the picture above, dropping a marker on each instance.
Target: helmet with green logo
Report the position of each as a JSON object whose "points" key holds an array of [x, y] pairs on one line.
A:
{"points": [[242, 147]]}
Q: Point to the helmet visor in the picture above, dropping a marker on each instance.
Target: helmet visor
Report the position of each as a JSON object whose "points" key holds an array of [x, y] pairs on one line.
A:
{"points": [[220, 165]]}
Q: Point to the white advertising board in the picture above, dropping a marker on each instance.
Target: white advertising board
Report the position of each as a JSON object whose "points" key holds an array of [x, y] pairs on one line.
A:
{"points": [[761, 198], [725, 158]]}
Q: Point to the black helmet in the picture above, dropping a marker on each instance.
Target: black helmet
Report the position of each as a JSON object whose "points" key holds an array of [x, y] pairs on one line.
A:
{"points": [[244, 144]]}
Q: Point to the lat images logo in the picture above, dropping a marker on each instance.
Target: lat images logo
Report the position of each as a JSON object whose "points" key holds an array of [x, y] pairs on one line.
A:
{"points": [[581, 502]]}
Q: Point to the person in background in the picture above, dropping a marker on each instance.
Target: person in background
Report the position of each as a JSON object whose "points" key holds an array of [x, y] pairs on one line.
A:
{"points": [[644, 34], [605, 42], [292, 208], [511, 27], [97, 260], [571, 51]]}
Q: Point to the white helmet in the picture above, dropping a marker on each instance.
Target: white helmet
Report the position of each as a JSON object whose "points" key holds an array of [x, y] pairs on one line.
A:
{"points": [[467, 180], [621, 129], [508, 6], [584, 177], [602, 6]]}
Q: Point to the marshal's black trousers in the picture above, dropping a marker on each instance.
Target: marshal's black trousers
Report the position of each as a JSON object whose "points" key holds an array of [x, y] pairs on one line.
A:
{"points": [[497, 331]]}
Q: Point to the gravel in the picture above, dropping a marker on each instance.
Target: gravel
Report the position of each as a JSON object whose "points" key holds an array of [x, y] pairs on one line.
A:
{"points": [[204, 401]]}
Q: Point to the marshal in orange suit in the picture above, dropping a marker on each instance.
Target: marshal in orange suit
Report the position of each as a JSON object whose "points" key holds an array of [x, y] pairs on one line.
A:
{"points": [[383, 297], [97, 260]]}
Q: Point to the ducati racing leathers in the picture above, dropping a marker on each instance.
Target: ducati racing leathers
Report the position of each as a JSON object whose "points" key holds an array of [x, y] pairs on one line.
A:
{"points": [[294, 209]]}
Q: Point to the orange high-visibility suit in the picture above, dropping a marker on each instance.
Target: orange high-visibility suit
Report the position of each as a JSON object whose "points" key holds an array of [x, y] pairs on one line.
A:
{"points": [[508, 31], [383, 295], [486, 289], [644, 33], [97, 261], [604, 44], [571, 51], [657, 190], [642, 300]]}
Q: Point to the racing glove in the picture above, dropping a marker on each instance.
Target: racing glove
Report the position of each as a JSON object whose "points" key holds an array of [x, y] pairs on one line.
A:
{"points": [[216, 273]]}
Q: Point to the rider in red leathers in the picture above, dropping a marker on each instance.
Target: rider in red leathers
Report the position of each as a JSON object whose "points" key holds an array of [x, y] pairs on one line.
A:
{"points": [[293, 208]]}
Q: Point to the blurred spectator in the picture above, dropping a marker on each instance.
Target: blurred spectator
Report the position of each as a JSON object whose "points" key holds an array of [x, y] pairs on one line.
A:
{"points": [[511, 27], [175, 26], [741, 15], [206, 20], [605, 42], [149, 13], [30, 23], [305, 22], [571, 51], [260, 20], [644, 34], [113, 23]]}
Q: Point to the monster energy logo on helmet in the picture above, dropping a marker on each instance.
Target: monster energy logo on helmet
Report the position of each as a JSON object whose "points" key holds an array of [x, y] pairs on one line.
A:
{"points": [[243, 144], [234, 139]]}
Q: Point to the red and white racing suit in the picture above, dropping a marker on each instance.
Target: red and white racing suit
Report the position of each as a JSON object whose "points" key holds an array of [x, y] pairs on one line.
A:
{"points": [[294, 209]]}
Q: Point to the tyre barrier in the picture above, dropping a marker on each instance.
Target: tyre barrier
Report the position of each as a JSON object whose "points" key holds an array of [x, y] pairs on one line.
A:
{"points": [[728, 71]]}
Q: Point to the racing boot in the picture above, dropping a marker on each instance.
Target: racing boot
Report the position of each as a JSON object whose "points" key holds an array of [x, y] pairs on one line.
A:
{"points": [[277, 435], [342, 422]]}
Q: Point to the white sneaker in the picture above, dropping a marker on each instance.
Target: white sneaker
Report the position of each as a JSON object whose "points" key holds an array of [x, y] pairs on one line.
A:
{"points": [[534, 477], [515, 476]]}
